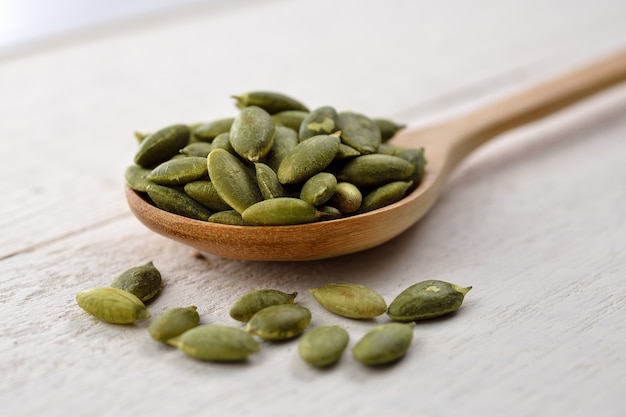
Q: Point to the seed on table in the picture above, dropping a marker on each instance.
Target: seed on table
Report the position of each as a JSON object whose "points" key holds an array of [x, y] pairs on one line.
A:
{"points": [[206, 132], [254, 301], [281, 211], [321, 121], [252, 133], [347, 197], [384, 344], [268, 182], [350, 300], [135, 177], [142, 281], [279, 322], [112, 305], [308, 158], [270, 101], [177, 202], [323, 346], [290, 118], [319, 188], [204, 192], [173, 322], [162, 145], [179, 171], [427, 299], [385, 195], [216, 343], [232, 181], [375, 170], [359, 131], [388, 128]]}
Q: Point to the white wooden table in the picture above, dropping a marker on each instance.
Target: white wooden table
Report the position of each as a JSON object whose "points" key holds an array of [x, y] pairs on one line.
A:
{"points": [[535, 221]]}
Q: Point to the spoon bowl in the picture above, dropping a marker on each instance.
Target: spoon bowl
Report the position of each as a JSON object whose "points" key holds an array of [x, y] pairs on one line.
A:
{"points": [[445, 145]]}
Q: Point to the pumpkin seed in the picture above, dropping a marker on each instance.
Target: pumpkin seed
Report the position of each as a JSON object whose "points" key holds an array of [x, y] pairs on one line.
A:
{"points": [[206, 132], [143, 281], [197, 149], [330, 213], [279, 322], [323, 346], [140, 136], [281, 211], [321, 121], [173, 322], [417, 158], [112, 305], [375, 170], [347, 197], [162, 145], [359, 131], [204, 192], [268, 182], [285, 139], [270, 101], [232, 181], [177, 202], [222, 141], [384, 344], [427, 299], [254, 301], [350, 300], [307, 159], [135, 177], [290, 118], [179, 171], [252, 133], [231, 217], [345, 152], [319, 188], [385, 195], [216, 343], [388, 128]]}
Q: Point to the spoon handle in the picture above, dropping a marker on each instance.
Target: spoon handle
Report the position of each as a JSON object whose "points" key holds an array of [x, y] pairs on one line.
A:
{"points": [[544, 99]]}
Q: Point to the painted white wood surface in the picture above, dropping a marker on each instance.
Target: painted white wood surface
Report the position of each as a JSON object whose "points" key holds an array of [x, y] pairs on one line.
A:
{"points": [[535, 221]]}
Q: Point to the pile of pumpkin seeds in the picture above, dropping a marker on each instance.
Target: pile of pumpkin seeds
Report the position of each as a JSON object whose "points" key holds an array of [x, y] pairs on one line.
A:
{"points": [[273, 315], [275, 163]]}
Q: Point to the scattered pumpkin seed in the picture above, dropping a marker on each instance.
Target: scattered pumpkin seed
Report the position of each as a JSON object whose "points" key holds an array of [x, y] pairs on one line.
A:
{"points": [[350, 300], [251, 303], [279, 322], [323, 346], [143, 281], [384, 344], [112, 305], [427, 299], [216, 343], [173, 322]]}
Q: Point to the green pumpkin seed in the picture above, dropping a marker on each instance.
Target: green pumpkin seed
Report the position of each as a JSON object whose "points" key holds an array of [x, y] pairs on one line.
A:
{"points": [[177, 202], [252, 133], [359, 131], [427, 299], [112, 305], [307, 159], [321, 121], [290, 118], [346, 152], [232, 181], [270, 101], [281, 211], [179, 171], [417, 158], [318, 189], [387, 149], [254, 301], [347, 198], [206, 132], [285, 139], [268, 182], [350, 300], [388, 128], [135, 177], [384, 344], [279, 322], [204, 192], [143, 281], [140, 136], [385, 195], [173, 322], [197, 149], [330, 213], [162, 145], [375, 170], [323, 346], [230, 217], [216, 343], [222, 141]]}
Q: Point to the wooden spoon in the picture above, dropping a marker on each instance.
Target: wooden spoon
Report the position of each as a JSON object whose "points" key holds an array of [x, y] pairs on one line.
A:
{"points": [[445, 146]]}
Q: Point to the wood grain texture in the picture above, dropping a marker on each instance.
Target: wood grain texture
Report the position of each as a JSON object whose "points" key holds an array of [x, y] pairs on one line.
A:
{"points": [[533, 221]]}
